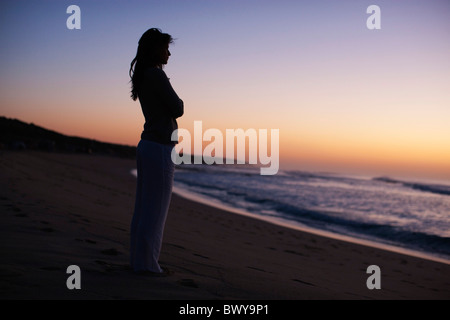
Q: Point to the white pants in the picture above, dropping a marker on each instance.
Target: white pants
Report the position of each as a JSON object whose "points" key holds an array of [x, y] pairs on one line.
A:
{"points": [[155, 171]]}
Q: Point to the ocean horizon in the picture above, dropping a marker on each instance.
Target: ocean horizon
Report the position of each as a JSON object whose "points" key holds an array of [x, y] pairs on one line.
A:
{"points": [[407, 216]]}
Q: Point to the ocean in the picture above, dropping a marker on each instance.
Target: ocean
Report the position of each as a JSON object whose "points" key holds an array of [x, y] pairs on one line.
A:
{"points": [[407, 215]]}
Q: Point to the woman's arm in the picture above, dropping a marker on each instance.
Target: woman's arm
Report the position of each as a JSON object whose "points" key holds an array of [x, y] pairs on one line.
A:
{"points": [[166, 92]]}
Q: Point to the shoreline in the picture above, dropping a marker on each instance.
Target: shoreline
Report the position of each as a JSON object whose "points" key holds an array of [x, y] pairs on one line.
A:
{"points": [[288, 224], [69, 209]]}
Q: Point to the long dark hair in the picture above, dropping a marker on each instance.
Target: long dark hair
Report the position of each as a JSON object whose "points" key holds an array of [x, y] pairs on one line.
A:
{"points": [[148, 55]]}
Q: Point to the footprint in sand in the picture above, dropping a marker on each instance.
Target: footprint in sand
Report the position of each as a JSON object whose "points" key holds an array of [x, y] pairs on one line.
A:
{"points": [[21, 215], [111, 267], [258, 269], [111, 252], [6, 271], [294, 252], [176, 246], [51, 268], [187, 283], [304, 282]]}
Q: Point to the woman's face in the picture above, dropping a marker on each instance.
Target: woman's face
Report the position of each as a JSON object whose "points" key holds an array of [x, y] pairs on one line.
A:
{"points": [[165, 54]]}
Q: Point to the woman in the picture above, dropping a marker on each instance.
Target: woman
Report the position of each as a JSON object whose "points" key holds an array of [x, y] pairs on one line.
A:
{"points": [[160, 106]]}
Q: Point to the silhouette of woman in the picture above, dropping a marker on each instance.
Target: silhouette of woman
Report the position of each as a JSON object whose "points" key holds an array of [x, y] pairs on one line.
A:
{"points": [[155, 169]]}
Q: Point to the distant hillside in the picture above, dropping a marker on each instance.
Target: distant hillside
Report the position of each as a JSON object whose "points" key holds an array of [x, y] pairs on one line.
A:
{"points": [[18, 135]]}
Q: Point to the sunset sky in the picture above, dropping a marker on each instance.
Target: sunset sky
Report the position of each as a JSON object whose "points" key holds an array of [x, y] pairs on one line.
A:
{"points": [[344, 98]]}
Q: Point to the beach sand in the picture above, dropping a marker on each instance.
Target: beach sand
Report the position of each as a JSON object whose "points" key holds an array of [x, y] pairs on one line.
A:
{"points": [[70, 209]]}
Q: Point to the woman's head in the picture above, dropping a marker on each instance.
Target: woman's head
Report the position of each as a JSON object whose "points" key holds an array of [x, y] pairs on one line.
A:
{"points": [[153, 48], [153, 51]]}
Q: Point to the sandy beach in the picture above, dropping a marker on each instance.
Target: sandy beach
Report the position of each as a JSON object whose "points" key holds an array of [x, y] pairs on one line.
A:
{"points": [[70, 209]]}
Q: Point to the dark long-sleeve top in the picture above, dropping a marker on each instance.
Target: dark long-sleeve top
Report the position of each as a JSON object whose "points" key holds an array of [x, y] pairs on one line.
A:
{"points": [[160, 105]]}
